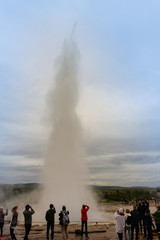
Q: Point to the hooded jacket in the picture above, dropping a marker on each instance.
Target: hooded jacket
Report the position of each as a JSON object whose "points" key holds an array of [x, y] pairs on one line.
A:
{"points": [[120, 222]]}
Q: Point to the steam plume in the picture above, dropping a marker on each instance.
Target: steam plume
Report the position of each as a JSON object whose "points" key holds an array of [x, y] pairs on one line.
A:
{"points": [[65, 168]]}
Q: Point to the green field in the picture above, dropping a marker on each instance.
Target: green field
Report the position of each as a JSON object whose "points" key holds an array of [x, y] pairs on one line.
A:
{"points": [[113, 194], [104, 194]]}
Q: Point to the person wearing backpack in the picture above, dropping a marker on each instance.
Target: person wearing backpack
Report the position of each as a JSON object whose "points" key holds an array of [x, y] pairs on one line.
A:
{"points": [[64, 221], [127, 228], [50, 221], [84, 219]]}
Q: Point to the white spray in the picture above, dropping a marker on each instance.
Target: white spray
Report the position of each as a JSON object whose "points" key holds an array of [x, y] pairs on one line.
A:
{"points": [[65, 168]]}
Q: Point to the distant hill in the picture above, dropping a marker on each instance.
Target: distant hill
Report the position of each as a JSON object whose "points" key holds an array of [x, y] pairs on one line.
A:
{"points": [[120, 187], [21, 185]]}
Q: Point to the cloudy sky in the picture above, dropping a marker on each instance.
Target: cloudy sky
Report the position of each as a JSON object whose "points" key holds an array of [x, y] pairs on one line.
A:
{"points": [[119, 103]]}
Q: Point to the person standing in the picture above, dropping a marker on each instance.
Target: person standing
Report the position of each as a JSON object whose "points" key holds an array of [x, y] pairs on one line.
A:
{"points": [[28, 220], [142, 209], [135, 222], [128, 220], [149, 224], [13, 222], [50, 221], [84, 219], [64, 221], [120, 222], [2, 215], [156, 216]]}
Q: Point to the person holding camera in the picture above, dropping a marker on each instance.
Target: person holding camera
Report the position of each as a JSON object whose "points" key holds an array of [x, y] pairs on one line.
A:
{"points": [[50, 220], [84, 219], [28, 220]]}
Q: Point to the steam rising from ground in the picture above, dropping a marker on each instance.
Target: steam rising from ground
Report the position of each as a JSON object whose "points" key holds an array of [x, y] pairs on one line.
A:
{"points": [[65, 168]]}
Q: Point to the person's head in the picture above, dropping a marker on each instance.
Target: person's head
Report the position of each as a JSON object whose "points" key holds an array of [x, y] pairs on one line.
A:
{"points": [[1, 209], [127, 211], [83, 206], [134, 207], [120, 210], [14, 208], [64, 208], [27, 207], [51, 206]]}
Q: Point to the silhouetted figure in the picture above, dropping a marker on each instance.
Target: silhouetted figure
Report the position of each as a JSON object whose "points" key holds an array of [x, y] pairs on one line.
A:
{"points": [[142, 209], [148, 224], [13, 222], [64, 221], [50, 221], [120, 222], [28, 220], [134, 223], [2, 214], [84, 219]]}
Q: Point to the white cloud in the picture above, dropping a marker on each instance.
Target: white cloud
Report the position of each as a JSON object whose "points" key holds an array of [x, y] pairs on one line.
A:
{"points": [[126, 169]]}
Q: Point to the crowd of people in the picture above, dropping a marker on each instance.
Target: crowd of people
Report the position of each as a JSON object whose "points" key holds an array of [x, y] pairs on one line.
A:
{"points": [[128, 223], [139, 220], [50, 218]]}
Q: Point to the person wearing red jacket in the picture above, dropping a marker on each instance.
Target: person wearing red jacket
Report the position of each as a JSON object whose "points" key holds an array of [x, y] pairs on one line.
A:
{"points": [[84, 219]]}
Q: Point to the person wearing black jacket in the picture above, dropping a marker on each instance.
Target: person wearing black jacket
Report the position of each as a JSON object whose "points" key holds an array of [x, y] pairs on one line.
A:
{"points": [[50, 220], [28, 220], [142, 209], [13, 222], [148, 223], [134, 222]]}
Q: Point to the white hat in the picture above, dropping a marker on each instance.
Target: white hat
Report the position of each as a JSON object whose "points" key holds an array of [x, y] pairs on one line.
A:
{"points": [[120, 210]]}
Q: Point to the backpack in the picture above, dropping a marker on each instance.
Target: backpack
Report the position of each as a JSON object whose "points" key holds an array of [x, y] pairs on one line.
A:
{"points": [[129, 220], [65, 218]]}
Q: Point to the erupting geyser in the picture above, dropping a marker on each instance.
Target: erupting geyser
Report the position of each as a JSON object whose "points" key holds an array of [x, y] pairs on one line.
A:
{"points": [[65, 168]]}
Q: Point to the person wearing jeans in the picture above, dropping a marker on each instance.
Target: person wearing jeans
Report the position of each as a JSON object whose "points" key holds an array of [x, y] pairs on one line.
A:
{"points": [[127, 228]]}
